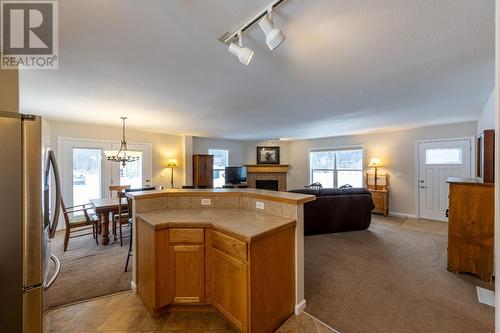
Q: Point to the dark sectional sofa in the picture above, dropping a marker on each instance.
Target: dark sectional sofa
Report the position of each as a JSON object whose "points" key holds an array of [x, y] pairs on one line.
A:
{"points": [[337, 210]]}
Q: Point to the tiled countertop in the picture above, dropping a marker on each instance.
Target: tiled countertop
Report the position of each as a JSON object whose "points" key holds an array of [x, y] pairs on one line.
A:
{"points": [[244, 224]]}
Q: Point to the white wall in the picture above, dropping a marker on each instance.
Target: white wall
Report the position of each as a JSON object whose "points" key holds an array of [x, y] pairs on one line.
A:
{"points": [[236, 148], [487, 118], [396, 149]]}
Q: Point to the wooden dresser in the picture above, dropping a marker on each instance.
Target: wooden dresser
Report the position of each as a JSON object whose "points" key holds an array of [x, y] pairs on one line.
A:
{"points": [[470, 227]]}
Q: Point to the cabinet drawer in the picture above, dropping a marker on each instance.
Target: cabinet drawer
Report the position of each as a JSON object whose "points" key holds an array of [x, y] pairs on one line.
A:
{"points": [[186, 235], [230, 245], [378, 202]]}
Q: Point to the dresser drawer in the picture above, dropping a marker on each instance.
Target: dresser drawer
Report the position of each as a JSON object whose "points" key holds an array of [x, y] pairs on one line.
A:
{"points": [[378, 201], [186, 235], [230, 245]]}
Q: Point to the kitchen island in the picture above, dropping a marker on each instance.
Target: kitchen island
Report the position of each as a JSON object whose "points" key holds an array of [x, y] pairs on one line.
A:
{"points": [[240, 251]]}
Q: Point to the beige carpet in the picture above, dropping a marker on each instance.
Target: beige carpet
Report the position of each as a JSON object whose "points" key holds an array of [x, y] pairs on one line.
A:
{"points": [[391, 278], [88, 270]]}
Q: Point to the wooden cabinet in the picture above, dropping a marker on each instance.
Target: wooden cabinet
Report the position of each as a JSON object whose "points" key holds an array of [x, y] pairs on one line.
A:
{"points": [[230, 290], [486, 156], [187, 265], [381, 201], [203, 171], [251, 283], [470, 228]]}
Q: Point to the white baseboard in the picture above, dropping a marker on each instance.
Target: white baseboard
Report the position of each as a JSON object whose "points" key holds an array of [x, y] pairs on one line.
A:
{"points": [[299, 307], [396, 214], [133, 286]]}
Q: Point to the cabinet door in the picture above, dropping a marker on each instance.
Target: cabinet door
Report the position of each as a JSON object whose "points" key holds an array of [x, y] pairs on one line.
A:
{"points": [[188, 267], [230, 288]]}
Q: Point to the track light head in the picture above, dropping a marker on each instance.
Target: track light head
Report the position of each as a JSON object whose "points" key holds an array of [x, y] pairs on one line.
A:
{"points": [[244, 54], [274, 37]]}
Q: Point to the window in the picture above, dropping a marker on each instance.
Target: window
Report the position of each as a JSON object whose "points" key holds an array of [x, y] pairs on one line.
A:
{"points": [[443, 156], [131, 173], [86, 175], [221, 158], [334, 168]]}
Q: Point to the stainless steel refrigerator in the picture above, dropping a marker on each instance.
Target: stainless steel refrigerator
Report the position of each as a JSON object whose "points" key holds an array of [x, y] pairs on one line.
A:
{"points": [[27, 222]]}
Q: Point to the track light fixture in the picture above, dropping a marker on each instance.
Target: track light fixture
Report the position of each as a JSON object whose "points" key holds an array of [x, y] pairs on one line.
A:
{"points": [[244, 54], [274, 36]]}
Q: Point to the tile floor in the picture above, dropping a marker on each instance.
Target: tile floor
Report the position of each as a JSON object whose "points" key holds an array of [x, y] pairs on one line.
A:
{"points": [[124, 312]]}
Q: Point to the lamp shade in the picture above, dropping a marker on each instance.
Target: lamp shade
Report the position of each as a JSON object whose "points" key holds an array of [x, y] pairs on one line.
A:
{"points": [[172, 162], [375, 162]]}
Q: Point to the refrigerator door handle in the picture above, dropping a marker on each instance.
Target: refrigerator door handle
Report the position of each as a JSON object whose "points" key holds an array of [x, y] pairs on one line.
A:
{"points": [[51, 281], [51, 162]]}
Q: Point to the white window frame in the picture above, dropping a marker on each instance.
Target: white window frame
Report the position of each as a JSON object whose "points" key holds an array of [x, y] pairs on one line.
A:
{"points": [[227, 158], [335, 170]]}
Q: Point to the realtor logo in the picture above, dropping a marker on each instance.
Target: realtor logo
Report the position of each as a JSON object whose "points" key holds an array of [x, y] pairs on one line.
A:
{"points": [[29, 31]]}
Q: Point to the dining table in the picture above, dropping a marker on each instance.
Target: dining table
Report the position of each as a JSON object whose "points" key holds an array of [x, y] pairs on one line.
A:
{"points": [[103, 207]]}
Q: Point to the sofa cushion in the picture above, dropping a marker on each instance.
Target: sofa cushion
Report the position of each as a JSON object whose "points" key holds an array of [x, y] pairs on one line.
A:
{"points": [[311, 191], [355, 190], [330, 191]]}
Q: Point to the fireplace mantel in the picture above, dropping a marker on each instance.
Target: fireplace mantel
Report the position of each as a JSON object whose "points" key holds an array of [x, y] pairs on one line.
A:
{"points": [[267, 168]]}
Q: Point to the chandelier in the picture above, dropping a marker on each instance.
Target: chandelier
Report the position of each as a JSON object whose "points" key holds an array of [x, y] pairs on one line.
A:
{"points": [[123, 155]]}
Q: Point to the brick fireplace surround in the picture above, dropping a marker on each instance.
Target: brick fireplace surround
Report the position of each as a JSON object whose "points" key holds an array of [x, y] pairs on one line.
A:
{"points": [[267, 172]]}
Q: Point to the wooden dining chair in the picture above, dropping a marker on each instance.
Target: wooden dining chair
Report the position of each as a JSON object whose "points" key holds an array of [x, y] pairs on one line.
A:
{"points": [[77, 219], [129, 207], [121, 218], [116, 189]]}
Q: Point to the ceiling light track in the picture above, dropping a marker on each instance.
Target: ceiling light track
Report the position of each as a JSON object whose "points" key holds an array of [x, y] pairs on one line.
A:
{"points": [[230, 37], [274, 36]]}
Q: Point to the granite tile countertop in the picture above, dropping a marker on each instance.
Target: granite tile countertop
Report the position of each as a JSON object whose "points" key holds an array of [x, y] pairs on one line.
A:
{"points": [[243, 224]]}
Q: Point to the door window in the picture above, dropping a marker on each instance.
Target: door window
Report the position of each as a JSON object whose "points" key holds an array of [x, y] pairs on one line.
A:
{"points": [[131, 173], [86, 175], [443, 156]]}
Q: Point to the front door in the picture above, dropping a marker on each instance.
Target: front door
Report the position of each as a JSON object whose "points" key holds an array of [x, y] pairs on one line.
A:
{"points": [[439, 160]]}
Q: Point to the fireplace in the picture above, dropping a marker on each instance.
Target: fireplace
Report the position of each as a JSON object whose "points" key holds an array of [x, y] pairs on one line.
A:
{"points": [[272, 185], [266, 176]]}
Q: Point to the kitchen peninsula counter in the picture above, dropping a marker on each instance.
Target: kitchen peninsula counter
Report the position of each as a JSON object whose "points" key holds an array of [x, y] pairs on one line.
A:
{"points": [[240, 251]]}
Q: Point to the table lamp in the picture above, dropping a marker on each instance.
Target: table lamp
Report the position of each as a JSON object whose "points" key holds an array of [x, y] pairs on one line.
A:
{"points": [[375, 163], [172, 163]]}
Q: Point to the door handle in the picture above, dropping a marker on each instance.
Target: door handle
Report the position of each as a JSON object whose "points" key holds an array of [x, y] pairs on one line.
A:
{"points": [[51, 281], [423, 186], [51, 162]]}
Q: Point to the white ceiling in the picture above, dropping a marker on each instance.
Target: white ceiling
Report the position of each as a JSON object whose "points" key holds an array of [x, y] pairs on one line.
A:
{"points": [[347, 66]]}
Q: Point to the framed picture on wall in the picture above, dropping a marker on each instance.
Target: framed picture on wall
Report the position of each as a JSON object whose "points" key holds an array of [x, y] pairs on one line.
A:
{"points": [[268, 155]]}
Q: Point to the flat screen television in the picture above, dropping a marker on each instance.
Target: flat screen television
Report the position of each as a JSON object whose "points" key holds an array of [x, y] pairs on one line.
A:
{"points": [[235, 175]]}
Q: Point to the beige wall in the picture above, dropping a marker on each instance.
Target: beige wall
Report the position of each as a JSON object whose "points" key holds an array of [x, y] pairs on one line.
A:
{"points": [[250, 156], [9, 90], [164, 146], [396, 149]]}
